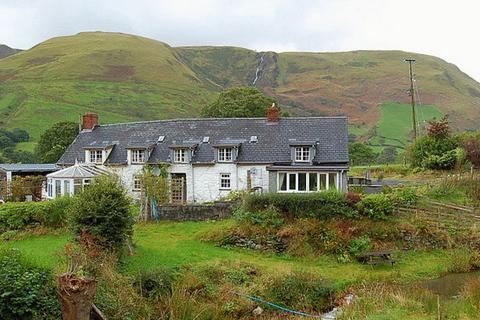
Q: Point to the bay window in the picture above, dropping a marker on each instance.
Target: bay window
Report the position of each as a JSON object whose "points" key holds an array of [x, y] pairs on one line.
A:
{"points": [[306, 181]]}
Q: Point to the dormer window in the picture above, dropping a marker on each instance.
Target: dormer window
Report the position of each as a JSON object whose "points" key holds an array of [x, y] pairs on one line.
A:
{"points": [[138, 155], [225, 155], [302, 154], [96, 156], [179, 156]]}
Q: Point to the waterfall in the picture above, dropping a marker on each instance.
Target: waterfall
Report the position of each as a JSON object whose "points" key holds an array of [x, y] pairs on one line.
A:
{"points": [[258, 71]]}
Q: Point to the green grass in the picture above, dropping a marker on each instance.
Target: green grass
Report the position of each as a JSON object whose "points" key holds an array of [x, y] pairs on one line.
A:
{"points": [[175, 244], [395, 123]]}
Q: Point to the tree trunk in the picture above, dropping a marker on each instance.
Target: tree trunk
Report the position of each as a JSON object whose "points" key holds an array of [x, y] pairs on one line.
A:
{"points": [[76, 296]]}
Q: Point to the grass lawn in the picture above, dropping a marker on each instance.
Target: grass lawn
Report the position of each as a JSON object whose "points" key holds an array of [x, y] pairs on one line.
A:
{"points": [[174, 244]]}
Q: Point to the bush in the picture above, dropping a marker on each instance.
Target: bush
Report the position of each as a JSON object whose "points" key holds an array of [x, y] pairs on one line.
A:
{"points": [[434, 153], [376, 206], [359, 245], [22, 215], [300, 205], [103, 211], [302, 291], [406, 196], [269, 217], [26, 292]]}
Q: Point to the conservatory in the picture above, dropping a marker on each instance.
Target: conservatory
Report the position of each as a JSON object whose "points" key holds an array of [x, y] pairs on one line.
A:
{"points": [[72, 180]]}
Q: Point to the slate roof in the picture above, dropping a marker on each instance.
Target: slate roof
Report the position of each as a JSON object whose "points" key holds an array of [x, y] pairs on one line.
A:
{"points": [[274, 140], [28, 167]]}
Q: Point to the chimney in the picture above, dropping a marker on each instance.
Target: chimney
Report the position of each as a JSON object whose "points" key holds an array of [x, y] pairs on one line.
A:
{"points": [[273, 114], [90, 121]]}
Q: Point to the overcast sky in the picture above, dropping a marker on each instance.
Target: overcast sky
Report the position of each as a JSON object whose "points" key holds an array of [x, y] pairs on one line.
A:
{"points": [[447, 29]]}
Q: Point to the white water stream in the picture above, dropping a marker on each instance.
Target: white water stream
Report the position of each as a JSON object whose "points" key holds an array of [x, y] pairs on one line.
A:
{"points": [[257, 72]]}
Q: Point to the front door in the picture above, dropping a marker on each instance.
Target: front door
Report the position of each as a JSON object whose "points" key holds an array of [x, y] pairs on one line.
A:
{"points": [[179, 187]]}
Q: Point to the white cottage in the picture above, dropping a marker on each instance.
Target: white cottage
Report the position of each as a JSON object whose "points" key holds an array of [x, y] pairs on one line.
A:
{"points": [[214, 157]]}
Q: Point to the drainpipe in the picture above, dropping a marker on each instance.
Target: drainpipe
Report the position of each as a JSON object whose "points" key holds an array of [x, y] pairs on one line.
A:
{"points": [[193, 183]]}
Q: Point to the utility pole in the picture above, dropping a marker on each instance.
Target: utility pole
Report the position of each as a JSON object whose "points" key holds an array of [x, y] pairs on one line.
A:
{"points": [[412, 95]]}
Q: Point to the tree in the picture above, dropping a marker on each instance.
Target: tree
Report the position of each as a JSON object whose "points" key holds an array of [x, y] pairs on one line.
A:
{"points": [[360, 154], [436, 150], [388, 155], [472, 150], [54, 141], [103, 211], [241, 102]]}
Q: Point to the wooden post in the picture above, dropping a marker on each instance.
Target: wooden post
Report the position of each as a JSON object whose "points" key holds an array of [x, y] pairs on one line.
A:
{"points": [[439, 315], [76, 296]]}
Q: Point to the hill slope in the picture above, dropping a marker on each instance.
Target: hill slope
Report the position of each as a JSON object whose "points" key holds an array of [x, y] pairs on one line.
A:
{"points": [[6, 51], [126, 77]]}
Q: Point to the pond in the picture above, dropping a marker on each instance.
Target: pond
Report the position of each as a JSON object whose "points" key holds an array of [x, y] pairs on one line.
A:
{"points": [[450, 285]]}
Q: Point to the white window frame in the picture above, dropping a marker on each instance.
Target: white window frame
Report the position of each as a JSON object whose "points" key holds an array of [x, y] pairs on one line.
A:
{"points": [[302, 154], [96, 156], [137, 155], [287, 181], [137, 183], [225, 154], [180, 155], [225, 181]]}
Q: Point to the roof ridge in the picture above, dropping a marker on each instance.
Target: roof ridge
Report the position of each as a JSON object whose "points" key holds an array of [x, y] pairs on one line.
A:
{"points": [[215, 119]]}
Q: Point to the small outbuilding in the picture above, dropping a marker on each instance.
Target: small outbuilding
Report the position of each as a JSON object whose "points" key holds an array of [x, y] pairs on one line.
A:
{"points": [[72, 180]]}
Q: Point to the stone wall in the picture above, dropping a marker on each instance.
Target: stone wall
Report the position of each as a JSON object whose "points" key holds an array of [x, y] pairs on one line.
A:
{"points": [[195, 212]]}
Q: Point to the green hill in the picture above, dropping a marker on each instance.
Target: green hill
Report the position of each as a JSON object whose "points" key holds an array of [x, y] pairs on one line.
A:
{"points": [[6, 51], [126, 78]]}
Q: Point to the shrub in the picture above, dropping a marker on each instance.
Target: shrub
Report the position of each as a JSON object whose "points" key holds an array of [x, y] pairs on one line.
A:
{"points": [[406, 196], [434, 153], [445, 161], [26, 292], [302, 291], [359, 245], [103, 210], [318, 204], [21, 215], [376, 206], [269, 217]]}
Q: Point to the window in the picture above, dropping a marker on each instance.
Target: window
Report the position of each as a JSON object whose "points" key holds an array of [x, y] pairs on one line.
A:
{"points": [[58, 188], [86, 182], [138, 156], [96, 156], [77, 186], [302, 154], [179, 155], [66, 187], [225, 154], [50, 188], [137, 183], [306, 181], [225, 182]]}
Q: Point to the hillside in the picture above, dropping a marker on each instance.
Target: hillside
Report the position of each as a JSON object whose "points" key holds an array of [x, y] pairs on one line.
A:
{"points": [[6, 51], [126, 77]]}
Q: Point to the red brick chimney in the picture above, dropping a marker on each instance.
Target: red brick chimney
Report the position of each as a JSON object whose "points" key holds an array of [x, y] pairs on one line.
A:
{"points": [[273, 114], [90, 121]]}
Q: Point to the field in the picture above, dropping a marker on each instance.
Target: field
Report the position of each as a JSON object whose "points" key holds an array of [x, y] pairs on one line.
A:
{"points": [[395, 125]]}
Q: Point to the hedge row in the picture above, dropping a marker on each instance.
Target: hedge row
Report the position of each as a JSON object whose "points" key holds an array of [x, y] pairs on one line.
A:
{"points": [[330, 204], [21, 215], [302, 205]]}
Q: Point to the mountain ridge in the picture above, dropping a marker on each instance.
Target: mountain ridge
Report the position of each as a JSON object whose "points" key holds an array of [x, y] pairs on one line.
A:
{"points": [[129, 78]]}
